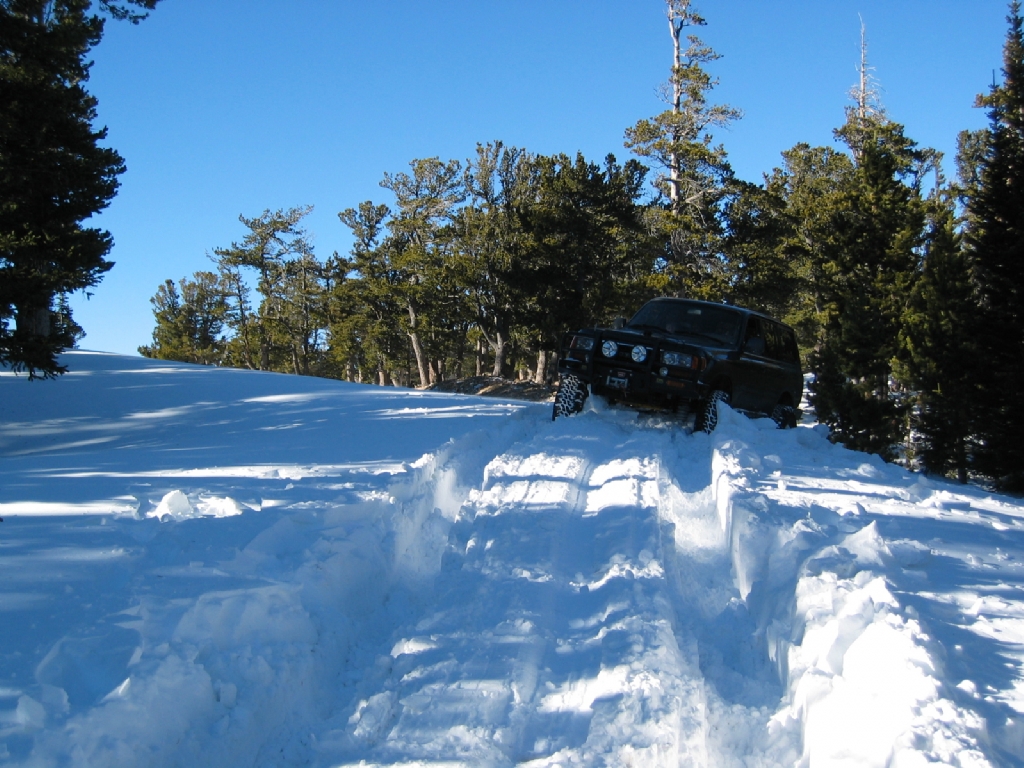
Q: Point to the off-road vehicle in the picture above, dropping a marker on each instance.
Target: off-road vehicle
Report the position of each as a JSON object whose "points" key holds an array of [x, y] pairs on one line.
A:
{"points": [[685, 356]]}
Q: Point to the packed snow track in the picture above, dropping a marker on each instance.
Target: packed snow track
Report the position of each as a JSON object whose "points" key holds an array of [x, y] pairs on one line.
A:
{"points": [[210, 567]]}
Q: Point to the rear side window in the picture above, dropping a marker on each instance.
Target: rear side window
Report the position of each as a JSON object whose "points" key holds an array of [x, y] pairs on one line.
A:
{"points": [[782, 344]]}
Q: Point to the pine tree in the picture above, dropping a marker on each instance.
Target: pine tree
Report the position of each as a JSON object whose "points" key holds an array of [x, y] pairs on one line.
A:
{"points": [[492, 247], [877, 221], [695, 174], [878, 225], [590, 254], [938, 359], [995, 240], [764, 266], [274, 238], [190, 323], [549, 243], [783, 240], [302, 316], [419, 235], [53, 174], [169, 336], [366, 329]]}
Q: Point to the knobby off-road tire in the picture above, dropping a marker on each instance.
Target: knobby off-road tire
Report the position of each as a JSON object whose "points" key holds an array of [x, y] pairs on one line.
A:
{"points": [[784, 416], [571, 395], [707, 416]]}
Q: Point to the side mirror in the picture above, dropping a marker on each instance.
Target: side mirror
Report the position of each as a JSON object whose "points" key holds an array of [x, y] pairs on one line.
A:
{"points": [[619, 323]]}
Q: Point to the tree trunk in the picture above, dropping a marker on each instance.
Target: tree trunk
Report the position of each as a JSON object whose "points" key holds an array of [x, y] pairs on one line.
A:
{"points": [[460, 354], [479, 357], [960, 453], [421, 361], [500, 351], [677, 22], [264, 348], [417, 348], [541, 376], [33, 320], [243, 325]]}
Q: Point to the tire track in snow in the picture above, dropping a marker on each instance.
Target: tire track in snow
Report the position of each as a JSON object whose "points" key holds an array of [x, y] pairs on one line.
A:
{"points": [[553, 637]]}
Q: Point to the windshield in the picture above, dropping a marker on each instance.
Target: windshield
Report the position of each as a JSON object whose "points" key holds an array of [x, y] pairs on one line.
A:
{"points": [[690, 318]]}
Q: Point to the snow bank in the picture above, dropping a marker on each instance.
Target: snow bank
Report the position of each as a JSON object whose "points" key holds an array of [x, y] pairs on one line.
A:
{"points": [[862, 679]]}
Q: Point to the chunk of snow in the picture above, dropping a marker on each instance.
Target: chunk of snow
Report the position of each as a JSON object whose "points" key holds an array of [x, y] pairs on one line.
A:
{"points": [[173, 506]]}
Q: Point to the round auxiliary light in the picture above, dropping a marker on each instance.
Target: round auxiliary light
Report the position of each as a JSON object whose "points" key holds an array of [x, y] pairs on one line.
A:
{"points": [[609, 349], [663, 371], [639, 353]]}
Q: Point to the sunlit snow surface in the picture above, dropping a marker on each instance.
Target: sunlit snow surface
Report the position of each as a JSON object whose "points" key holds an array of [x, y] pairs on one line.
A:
{"points": [[209, 567]]}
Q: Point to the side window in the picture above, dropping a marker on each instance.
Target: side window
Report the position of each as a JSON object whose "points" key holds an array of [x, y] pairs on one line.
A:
{"points": [[786, 349], [773, 341], [780, 343], [792, 351], [754, 341]]}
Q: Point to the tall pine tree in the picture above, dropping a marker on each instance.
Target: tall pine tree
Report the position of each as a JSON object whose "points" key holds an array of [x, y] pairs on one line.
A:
{"points": [[877, 223], [939, 350], [695, 174], [274, 239], [995, 239], [53, 174]]}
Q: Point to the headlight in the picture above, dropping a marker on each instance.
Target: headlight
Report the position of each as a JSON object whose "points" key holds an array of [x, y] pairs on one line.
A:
{"points": [[677, 359], [639, 353], [582, 342], [609, 349]]}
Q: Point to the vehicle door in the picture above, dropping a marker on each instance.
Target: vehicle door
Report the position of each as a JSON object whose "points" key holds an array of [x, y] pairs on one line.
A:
{"points": [[786, 352], [760, 376]]}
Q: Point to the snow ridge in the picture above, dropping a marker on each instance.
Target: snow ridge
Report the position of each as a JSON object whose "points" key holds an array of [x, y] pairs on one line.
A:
{"points": [[851, 659]]}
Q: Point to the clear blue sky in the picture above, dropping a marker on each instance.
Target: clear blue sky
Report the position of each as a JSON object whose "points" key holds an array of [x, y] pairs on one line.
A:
{"points": [[228, 107]]}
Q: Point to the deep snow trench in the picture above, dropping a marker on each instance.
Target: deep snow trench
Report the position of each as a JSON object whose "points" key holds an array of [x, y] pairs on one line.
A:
{"points": [[203, 567]]}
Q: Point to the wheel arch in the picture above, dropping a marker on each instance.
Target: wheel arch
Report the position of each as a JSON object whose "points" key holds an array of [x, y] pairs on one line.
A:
{"points": [[721, 382]]}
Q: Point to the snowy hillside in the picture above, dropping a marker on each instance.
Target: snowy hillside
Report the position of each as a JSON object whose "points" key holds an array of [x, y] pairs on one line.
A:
{"points": [[210, 567]]}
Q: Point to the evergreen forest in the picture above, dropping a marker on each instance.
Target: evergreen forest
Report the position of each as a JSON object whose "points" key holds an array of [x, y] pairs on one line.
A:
{"points": [[903, 285]]}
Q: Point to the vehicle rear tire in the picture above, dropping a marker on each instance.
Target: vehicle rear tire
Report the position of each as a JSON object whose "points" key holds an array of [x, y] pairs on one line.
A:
{"points": [[571, 395], [784, 416], [707, 415]]}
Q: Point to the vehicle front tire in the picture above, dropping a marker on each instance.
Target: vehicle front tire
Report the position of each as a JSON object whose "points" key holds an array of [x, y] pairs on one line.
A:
{"points": [[784, 416], [707, 415], [571, 395]]}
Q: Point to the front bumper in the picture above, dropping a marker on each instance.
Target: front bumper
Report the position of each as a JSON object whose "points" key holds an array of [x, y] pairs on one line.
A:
{"points": [[621, 378]]}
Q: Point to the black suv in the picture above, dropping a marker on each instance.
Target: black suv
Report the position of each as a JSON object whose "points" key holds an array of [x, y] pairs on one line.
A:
{"points": [[680, 354]]}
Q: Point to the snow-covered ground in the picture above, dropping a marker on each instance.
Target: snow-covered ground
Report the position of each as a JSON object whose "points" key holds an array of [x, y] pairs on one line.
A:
{"points": [[210, 567]]}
